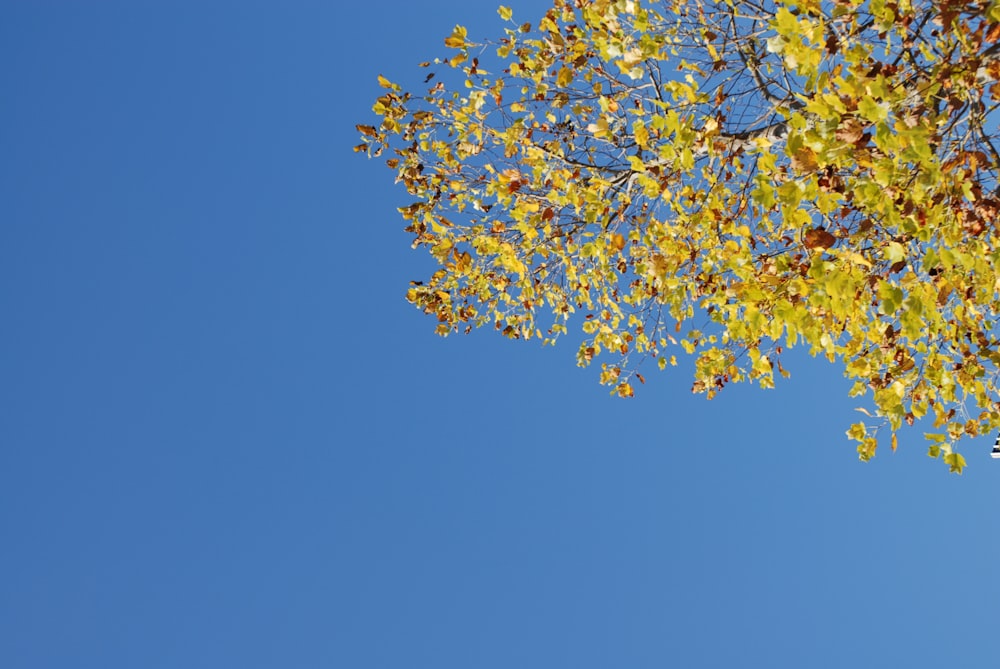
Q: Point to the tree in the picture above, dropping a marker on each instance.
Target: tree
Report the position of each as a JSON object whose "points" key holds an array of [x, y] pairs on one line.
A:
{"points": [[728, 179]]}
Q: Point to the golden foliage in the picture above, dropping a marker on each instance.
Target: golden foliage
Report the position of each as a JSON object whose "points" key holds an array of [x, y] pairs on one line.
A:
{"points": [[818, 174]]}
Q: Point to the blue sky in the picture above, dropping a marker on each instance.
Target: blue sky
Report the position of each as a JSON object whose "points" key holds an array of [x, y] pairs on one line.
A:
{"points": [[228, 441]]}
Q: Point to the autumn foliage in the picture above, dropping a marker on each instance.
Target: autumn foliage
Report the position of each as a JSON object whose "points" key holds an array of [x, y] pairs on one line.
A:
{"points": [[728, 180]]}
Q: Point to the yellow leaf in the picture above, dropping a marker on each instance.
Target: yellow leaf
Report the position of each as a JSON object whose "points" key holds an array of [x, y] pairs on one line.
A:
{"points": [[457, 38], [505, 13], [856, 258], [625, 390], [641, 134], [637, 164]]}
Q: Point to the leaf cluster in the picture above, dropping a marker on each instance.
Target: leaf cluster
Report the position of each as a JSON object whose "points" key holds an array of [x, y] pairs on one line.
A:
{"points": [[726, 179]]}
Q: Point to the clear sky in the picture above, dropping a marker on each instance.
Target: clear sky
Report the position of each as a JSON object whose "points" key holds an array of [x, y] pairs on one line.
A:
{"points": [[226, 440]]}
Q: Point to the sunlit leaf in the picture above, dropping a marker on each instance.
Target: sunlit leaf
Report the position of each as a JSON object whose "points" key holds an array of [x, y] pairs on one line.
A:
{"points": [[457, 38]]}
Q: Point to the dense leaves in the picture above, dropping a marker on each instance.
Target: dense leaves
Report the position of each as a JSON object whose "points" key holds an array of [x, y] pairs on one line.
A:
{"points": [[726, 179]]}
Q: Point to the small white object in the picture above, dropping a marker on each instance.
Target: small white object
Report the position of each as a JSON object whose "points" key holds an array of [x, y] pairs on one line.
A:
{"points": [[996, 448]]}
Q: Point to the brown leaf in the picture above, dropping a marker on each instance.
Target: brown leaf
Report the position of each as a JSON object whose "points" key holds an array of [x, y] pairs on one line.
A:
{"points": [[850, 131], [818, 238], [832, 43], [994, 34], [974, 227], [804, 160]]}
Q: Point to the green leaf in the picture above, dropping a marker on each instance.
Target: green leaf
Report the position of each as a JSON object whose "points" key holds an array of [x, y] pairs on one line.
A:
{"points": [[955, 462], [871, 110]]}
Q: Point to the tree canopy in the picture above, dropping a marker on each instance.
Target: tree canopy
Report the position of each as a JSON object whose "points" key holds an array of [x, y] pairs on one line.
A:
{"points": [[728, 180]]}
